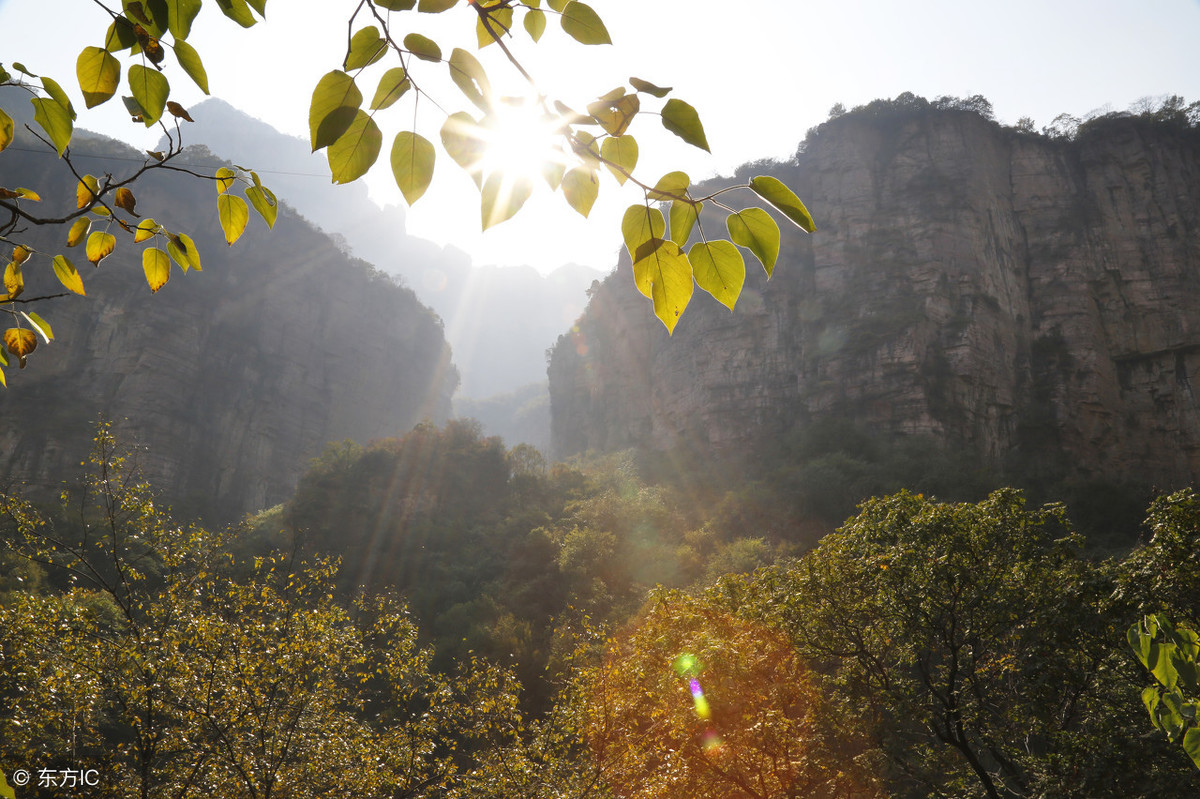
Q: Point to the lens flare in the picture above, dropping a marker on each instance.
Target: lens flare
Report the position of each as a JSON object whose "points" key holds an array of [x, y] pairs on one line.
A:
{"points": [[688, 667]]}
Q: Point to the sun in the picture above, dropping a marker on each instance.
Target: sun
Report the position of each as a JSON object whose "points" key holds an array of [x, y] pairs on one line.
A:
{"points": [[521, 140]]}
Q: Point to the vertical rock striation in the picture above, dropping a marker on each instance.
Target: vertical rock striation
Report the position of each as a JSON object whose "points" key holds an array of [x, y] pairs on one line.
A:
{"points": [[1005, 293]]}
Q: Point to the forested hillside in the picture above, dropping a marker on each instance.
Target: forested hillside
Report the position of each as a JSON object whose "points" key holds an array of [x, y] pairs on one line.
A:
{"points": [[436, 615]]}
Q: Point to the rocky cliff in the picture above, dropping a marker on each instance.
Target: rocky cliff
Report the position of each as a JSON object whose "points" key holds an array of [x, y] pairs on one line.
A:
{"points": [[1006, 293], [228, 380]]}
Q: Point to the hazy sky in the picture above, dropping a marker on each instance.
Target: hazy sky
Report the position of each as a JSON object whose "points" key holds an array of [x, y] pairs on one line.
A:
{"points": [[760, 72]]}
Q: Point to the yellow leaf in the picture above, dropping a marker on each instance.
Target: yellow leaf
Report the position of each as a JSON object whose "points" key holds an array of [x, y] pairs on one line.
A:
{"points": [[19, 341], [87, 191], [146, 229], [21, 254], [67, 274], [233, 214], [14, 281], [225, 177], [125, 200], [99, 246], [78, 230], [29, 194], [157, 266]]}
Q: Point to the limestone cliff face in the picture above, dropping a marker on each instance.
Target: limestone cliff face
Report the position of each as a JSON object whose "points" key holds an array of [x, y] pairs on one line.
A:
{"points": [[228, 380], [1002, 292]]}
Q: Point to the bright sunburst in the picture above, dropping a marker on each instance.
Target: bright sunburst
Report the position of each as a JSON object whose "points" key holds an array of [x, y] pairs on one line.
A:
{"points": [[521, 140]]}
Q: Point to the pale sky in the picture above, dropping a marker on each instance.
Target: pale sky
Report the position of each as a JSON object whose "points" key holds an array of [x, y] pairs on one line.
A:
{"points": [[760, 73]]}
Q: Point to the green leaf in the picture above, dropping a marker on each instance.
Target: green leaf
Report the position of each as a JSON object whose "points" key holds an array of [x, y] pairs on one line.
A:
{"points": [[190, 61], [499, 21], [671, 187], [1139, 642], [392, 87], [67, 274], [396, 5], [1191, 744], [153, 14], [580, 187], [334, 106], [639, 225], [615, 113], [1162, 664], [412, 163], [468, 75], [552, 172], [557, 5], [502, 197], [225, 178], [784, 199], [535, 23], [238, 11], [719, 269], [435, 6], [755, 230], [58, 95], [55, 120], [99, 74], [463, 143], [587, 147], [120, 36], [157, 267], [150, 89], [263, 200], [583, 24], [423, 48], [664, 275], [683, 219], [356, 150], [682, 120], [7, 130], [181, 14], [649, 88], [623, 152], [40, 325], [233, 214], [99, 246], [366, 47]]}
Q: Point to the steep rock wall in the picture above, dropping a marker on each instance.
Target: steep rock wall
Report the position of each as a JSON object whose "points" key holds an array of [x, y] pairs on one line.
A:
{"points": [[227, 381], [1006, 293]]}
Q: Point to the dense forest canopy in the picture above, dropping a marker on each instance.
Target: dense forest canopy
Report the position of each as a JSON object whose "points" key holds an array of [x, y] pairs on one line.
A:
{"points": [[474, 621]]}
